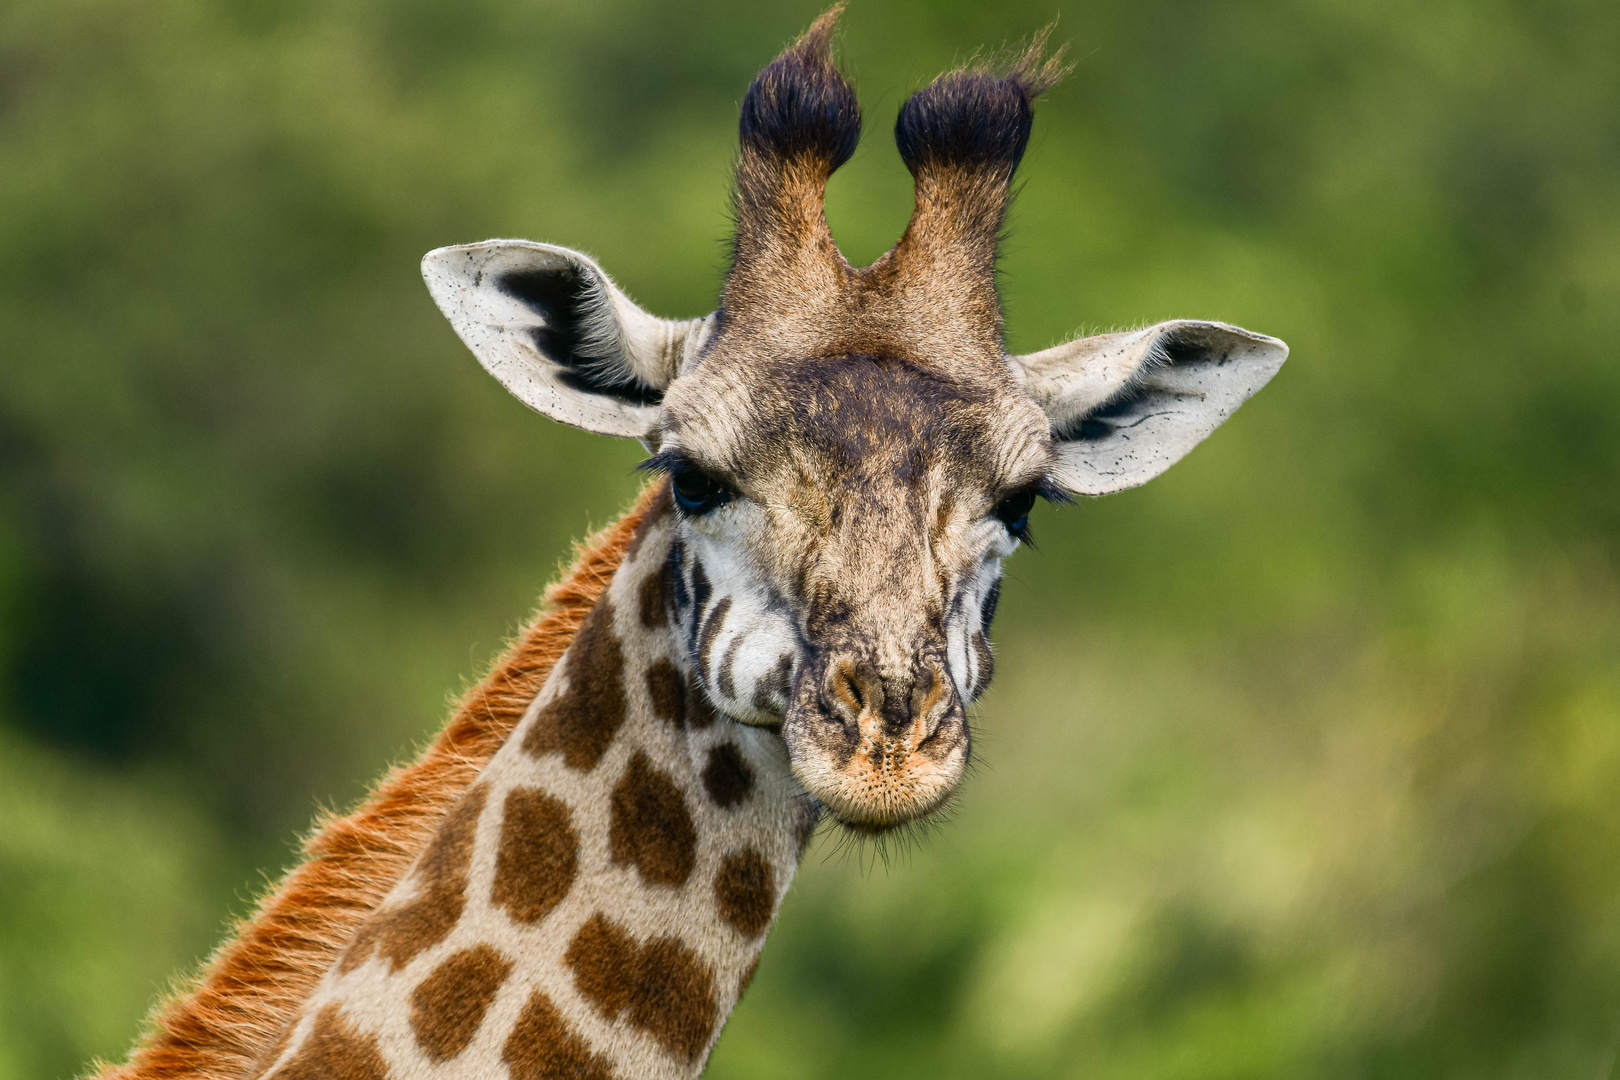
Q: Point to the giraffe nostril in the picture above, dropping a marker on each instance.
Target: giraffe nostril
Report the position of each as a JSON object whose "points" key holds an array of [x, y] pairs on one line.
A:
{"points": [[929, 696], [853, 686], [844, 690]]}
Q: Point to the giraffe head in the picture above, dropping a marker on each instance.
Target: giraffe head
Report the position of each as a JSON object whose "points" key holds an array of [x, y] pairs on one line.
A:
{"points": [[851, 452]]}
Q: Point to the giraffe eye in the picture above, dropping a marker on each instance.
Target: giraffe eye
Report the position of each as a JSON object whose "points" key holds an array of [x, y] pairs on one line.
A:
{"points": [[697, 493], [1013, 512]]}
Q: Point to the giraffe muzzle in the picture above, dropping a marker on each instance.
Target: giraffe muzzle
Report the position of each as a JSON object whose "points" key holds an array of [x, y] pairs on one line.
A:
{"points": [[877, 751]]}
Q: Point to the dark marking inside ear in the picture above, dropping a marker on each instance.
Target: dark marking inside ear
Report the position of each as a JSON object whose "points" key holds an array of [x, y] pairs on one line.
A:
{"points": [[1103, 421], [564, 298], [1185, 349]]}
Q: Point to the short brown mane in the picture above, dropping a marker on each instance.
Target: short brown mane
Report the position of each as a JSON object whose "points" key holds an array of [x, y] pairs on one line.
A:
{"points": [[255, 983]]}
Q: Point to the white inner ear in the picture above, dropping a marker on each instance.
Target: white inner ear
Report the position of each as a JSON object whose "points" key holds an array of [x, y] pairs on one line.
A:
{"points": [[556, 331], [1125, 407]]}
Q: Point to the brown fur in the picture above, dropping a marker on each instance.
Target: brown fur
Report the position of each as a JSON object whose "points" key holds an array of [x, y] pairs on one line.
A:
{"points": [[538, 856], [745, 890], [651, 827], [699, 712], [662, 987], [255, 984], [543, 1047], [448, 1006], [727, 777], [667, 692]]}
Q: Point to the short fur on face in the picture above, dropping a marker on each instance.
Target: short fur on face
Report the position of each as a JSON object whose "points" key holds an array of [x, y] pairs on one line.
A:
{"points": [[843, 591]]}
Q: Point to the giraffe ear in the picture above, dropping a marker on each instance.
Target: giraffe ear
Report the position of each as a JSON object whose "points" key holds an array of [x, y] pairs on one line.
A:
{"points": [[1126, 407], [559, 334]]}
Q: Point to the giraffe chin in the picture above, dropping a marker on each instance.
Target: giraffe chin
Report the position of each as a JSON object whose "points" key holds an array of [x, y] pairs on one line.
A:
{"points": [[872, 783]]}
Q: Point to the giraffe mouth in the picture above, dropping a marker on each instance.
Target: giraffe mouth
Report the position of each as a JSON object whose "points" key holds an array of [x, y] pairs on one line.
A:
{"points": [[874, 772]]}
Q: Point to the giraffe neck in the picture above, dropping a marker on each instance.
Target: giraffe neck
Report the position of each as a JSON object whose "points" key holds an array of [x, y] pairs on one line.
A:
{"points": [[595, 903]]}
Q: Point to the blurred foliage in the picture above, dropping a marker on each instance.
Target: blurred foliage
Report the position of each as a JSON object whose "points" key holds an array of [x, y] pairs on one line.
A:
{"points": [[1303, 760]]}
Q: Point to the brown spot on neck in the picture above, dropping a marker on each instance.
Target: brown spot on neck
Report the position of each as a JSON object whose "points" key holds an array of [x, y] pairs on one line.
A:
{"points": [[538, 855], [542, 1046], [651, 827], [748, 977], [653, 598], [727, 777], [667, 690], [661, 987], [745, 890], [581, 721], [448, 1005]]}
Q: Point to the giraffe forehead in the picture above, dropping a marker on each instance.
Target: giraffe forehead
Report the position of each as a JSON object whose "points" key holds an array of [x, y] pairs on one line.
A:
{"points": [[856, 419]]}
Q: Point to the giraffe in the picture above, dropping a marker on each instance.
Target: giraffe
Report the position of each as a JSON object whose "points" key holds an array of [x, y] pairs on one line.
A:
{"points": [[577, 878]]}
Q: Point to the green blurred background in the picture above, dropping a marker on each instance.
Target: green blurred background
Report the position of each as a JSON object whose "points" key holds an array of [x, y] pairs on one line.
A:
{"points": [[1303, 761]]}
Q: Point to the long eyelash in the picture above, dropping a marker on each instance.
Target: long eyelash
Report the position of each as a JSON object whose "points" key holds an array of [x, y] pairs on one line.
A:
{"points": [[1048, 489], [665, 462]]}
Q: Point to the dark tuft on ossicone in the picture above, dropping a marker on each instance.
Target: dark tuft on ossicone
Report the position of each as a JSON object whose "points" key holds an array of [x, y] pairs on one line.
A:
{"points": [[965, 118], [977, 118], [801, 108]]}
